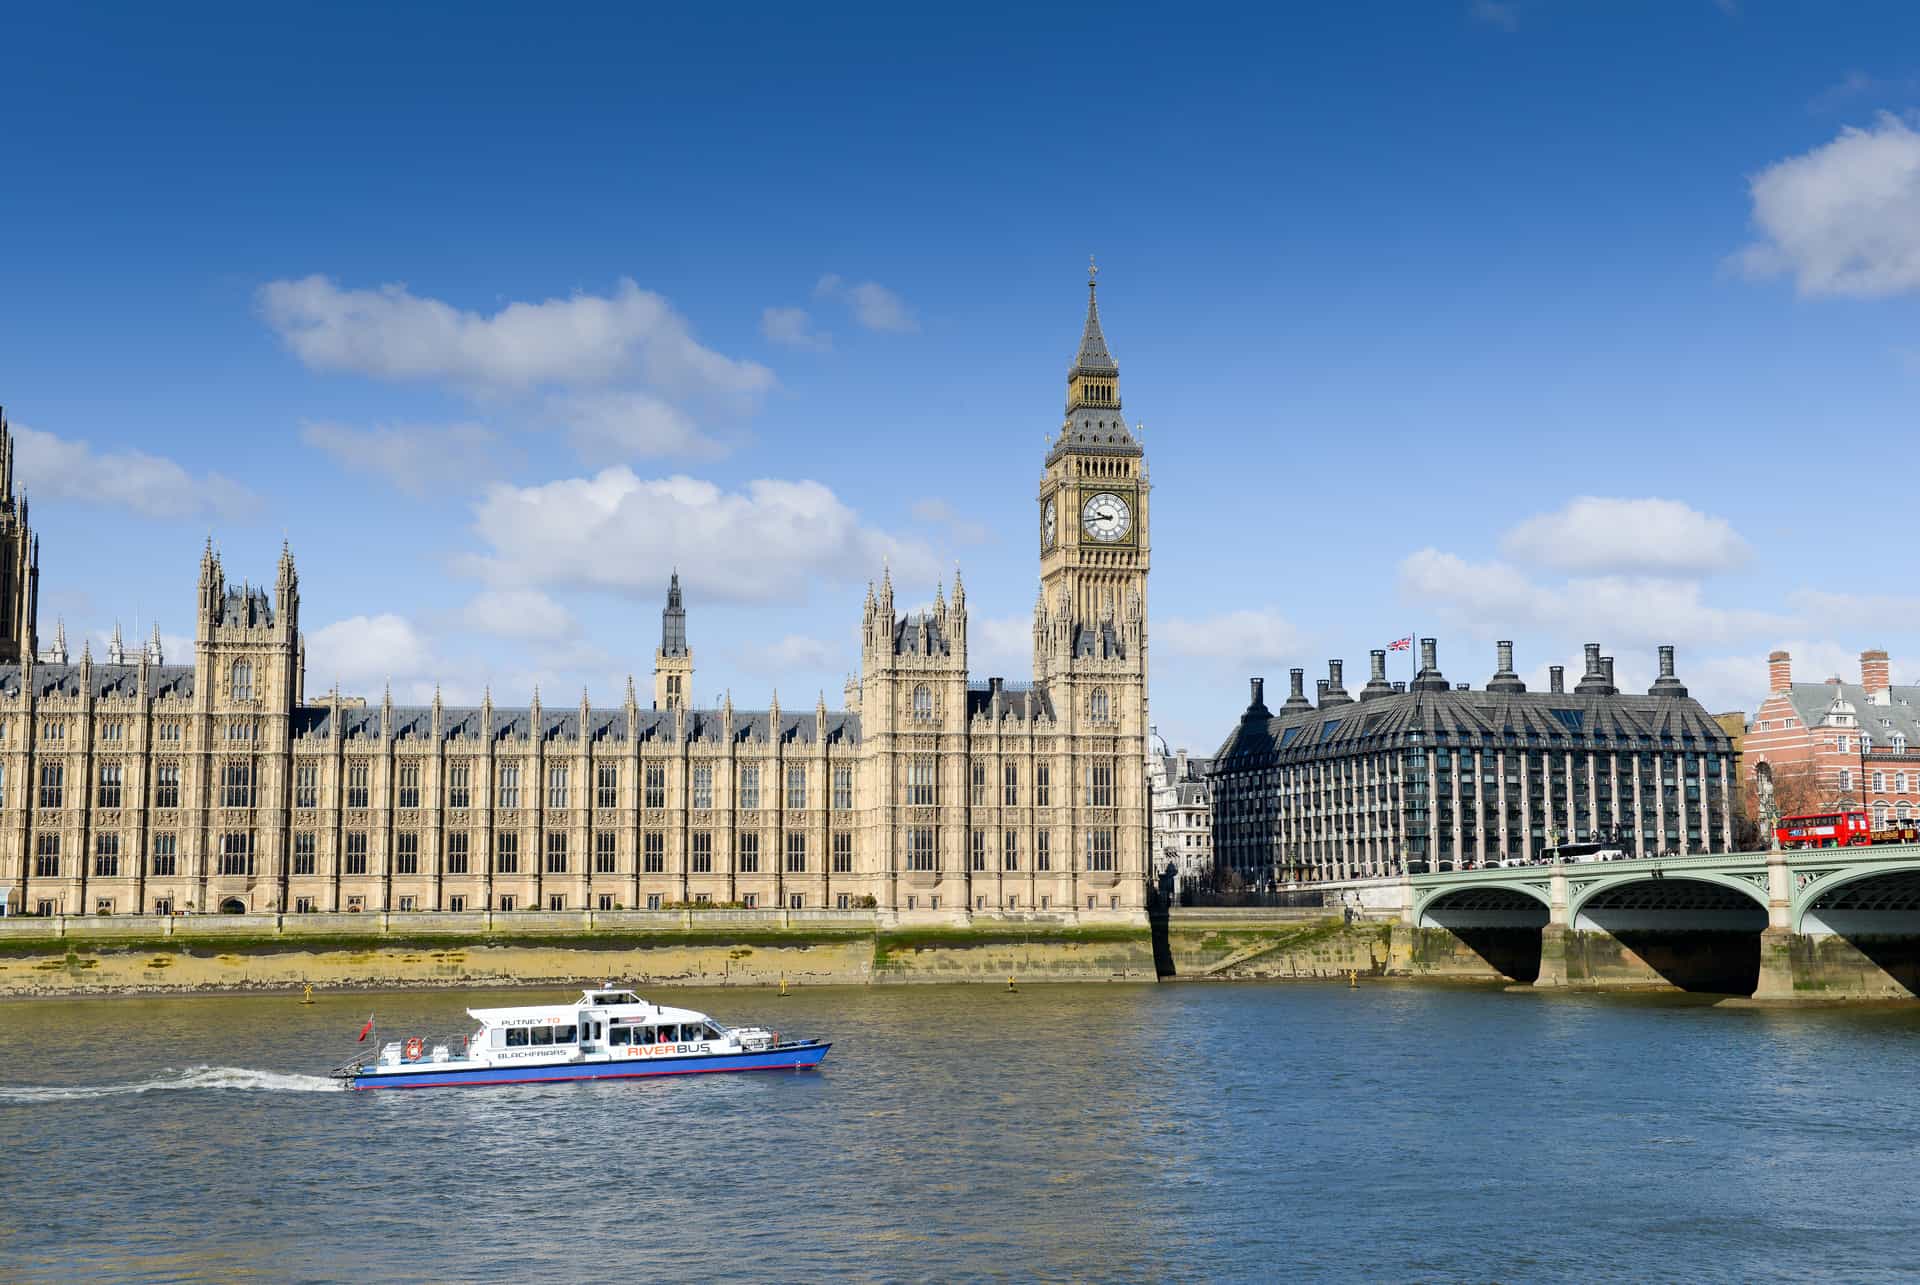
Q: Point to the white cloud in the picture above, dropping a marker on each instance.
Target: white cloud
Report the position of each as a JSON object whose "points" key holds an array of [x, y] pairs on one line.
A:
{"points": [[1000, 645], [1889, 613], [797, 652], [961, 530], [415, 458], [150, 485], [391, 333], [1642, 610], [1504, 14], [518, 613], [1650, 536], [1844, 218], [607, 427], [794, 328], [1248, 636], [874, 306], [616, 530], [363, 652]]}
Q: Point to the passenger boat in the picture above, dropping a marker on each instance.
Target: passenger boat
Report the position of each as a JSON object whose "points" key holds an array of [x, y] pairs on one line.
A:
{"points": [[606, 1034]]}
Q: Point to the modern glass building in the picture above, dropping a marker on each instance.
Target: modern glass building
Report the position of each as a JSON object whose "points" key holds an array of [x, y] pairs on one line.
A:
{"points": [[1431, 776]]}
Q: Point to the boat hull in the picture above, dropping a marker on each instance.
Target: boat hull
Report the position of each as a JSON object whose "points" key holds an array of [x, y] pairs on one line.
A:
{"points": [[427, 1075]]}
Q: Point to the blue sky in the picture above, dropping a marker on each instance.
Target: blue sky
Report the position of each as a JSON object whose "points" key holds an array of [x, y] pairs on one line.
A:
{"points": [[1530, 320]]}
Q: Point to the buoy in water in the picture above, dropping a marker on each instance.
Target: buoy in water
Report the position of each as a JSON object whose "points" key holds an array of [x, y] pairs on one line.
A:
{"points": [[306, 996], [1011, 988], [783, 983]]}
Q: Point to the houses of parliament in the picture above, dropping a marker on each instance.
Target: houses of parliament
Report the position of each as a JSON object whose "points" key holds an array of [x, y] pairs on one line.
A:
{"points": [[220, 783]]}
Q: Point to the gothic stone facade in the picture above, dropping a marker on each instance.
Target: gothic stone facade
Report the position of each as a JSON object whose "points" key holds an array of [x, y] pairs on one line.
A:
{"points": [[1434, 777], [137, 786]]}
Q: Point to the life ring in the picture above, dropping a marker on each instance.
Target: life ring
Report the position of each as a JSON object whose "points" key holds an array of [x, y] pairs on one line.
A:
{"points": [[415, 1047]]}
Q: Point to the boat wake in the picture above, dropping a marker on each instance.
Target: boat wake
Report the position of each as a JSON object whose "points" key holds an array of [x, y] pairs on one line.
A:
{"points": [[194, 1077]]}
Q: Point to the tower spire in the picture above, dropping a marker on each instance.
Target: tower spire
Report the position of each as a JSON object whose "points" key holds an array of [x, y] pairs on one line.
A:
{"points": [[1093, 389]]}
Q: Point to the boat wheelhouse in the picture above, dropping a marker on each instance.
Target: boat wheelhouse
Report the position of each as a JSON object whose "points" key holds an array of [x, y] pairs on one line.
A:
{"points": [[607, 1034]]}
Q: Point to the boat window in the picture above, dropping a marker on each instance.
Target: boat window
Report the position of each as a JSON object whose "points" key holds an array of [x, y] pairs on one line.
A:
{"points": [[563, 1035], [543, 1035], [712, 1032], [621, 1035], [517, 1037]]}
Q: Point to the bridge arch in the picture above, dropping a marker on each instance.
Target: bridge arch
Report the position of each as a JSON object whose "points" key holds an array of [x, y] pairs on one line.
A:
{"points": [[1882, 898], [1706, 898], [1502, 903]]}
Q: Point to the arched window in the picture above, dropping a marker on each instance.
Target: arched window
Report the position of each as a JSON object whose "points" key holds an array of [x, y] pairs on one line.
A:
{"points": [[243, 680], [1101, 709], [1879, 816], [923, 702]]}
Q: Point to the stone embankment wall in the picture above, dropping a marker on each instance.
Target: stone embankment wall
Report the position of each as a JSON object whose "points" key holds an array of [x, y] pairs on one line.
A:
{"points": [[714, 948], [1271, 943]]}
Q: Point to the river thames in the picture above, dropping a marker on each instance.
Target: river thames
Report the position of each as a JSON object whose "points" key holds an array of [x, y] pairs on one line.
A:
{"points": [[1233, 1132]]}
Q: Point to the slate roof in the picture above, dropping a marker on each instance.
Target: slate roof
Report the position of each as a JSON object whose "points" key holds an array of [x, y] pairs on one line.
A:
{"points": [[105, 680], [246, 606], [919, 633], [1017, 700], [1473, 718], [315, 722], [1097, 641], [1812, 701]]}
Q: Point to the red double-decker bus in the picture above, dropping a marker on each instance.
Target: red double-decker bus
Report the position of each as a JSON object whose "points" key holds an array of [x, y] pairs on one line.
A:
{"points": [[1825, 830], [1841, 830]]}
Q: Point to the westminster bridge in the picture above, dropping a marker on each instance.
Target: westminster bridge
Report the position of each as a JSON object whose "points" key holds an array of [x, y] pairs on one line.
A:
{"points": [[1807, 923]]}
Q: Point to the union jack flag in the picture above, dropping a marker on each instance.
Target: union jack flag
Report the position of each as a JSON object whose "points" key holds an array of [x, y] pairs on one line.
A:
{"points": [[1401, 644]]}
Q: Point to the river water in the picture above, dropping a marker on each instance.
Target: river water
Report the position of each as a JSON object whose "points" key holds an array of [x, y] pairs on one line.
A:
{"points": [[1243, 1132]]}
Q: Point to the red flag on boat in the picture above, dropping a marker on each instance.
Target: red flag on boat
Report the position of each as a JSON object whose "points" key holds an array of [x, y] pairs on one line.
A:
{"points": [[365, 1031]]}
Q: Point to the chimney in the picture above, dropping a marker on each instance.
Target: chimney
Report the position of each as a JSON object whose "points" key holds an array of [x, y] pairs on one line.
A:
{"points": [[1606, 668], [1180, 764], [1504, 679], [1594, 681], [1667, 684], [1297, 698], [1463, 687], [1320, 691], [1335, 692], [1876, 676], [1779, 671], [1429, 679], [1257, 704], [1558, 679], [1399, 687], [1377, 684]]}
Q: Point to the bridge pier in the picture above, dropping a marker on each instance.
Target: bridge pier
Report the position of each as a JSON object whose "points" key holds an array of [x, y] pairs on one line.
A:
{"points": [[1776, 941], [1553, 937]]}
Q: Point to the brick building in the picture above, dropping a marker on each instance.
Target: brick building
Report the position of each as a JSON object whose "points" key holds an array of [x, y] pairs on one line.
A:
{"points": [[1835, 744]]}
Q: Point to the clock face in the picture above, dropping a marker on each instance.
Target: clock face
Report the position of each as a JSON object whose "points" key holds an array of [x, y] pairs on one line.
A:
{"points": [[1049, 526], [1105, 517]]}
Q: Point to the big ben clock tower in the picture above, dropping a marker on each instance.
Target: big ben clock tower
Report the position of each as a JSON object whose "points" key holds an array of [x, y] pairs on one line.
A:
{"points": [[1093, 505], [1090, 627]]}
